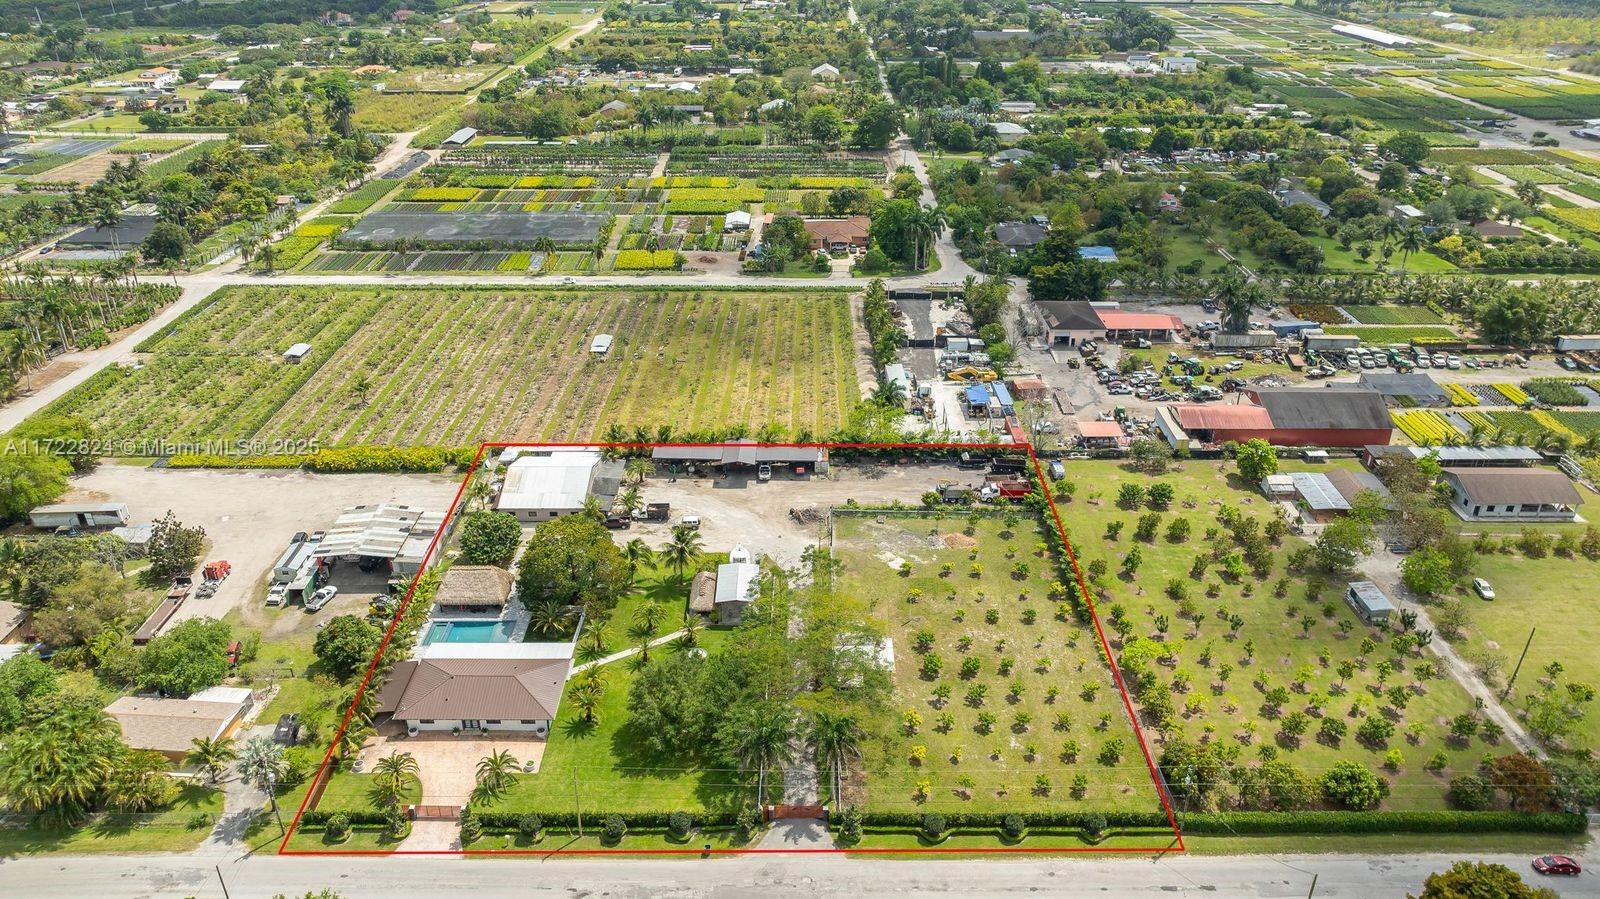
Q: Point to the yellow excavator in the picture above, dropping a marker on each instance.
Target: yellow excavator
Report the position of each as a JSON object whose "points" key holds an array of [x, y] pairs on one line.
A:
{"points": [[970, 374]]}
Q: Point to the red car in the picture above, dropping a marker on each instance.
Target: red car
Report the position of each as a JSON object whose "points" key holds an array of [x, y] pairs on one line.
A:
{"points": [[1556, 864]]}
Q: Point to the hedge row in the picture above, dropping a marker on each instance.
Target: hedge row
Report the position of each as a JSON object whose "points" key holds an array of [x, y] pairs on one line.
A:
{"points": [[1266, 822], [341, 460], [502, 820]]}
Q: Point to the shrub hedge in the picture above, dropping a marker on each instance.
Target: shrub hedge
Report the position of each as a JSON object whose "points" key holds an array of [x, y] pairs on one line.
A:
{"points": [[1264, 822]]}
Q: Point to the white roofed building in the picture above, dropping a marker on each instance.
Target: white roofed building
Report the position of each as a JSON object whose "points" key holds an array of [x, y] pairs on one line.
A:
{"points": [[546, 485]]}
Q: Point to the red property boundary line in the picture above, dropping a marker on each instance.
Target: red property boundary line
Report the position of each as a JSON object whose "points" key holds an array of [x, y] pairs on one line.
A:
{"points": [[1055, 513]]}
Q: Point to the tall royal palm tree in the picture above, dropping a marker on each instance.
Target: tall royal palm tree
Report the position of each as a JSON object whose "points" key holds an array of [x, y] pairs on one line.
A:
{"points": [[392, 776], [683, 550], [1234, 298], [211, 756], [836, 736], [758, 737]]}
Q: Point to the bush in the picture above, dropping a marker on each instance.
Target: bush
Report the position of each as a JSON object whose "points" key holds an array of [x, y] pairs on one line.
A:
{"points": [[471, 827], [489, 538], [339, 827], [850, 825], [613, 830], [679, 824], [530, 826], [748, 821], [1013, 827], [1350, 785], [933, 825], [1472, 793]]}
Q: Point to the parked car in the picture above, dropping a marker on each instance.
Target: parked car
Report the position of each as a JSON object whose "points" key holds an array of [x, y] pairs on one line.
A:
{"points": [[1482, 588], [1057, 470], [1557, 864], [321, 598], [691, 522], [277, 595], [763, 472]]}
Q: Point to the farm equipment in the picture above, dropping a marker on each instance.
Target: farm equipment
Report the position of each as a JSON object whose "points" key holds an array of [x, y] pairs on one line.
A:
{"points": [[970, 374], [216, 571]]}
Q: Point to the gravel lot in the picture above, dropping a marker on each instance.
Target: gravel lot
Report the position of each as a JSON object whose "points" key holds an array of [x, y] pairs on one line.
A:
{"points": [[249, 517], [737, 509]]}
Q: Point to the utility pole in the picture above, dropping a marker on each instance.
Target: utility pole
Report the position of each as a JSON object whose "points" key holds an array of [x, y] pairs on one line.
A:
{"points": [[1313, 890], [577, 803], [224, 883], [1514, 671]]}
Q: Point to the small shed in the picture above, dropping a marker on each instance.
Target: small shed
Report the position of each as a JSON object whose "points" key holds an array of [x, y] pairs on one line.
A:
{"points": [[601, 345], [296, 354], [79, 515], [737, 220], [1369, 601], [461, 138]]}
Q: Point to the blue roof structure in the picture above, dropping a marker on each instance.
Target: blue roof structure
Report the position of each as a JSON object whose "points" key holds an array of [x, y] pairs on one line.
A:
{"points": [[1002, 394], [1098, 254], [977, 395]]}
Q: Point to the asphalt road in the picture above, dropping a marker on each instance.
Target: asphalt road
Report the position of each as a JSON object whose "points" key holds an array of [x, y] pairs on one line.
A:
{"points": [[768, 876]]}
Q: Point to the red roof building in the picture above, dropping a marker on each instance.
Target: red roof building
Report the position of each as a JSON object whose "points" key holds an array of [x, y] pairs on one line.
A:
{"points": [[1148, 324]]}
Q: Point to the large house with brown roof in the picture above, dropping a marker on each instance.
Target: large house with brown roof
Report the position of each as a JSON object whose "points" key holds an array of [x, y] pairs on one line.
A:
{"points": [[1512, 494], [839, 235], [475, 695]]}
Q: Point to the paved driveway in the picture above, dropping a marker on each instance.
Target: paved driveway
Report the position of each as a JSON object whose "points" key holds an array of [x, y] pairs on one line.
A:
{"points": [[449, 763]]}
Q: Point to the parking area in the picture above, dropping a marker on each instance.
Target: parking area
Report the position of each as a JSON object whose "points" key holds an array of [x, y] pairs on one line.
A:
{"points": [[738, 509], [249, 517]]}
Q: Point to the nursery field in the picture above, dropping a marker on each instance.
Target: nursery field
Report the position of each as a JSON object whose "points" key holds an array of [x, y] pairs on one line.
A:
{"points": [[1016, 709], [1295, 676], [454, 367]]}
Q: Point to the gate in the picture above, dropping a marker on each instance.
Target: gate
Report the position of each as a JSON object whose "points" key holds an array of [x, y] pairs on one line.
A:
{"points": [[819, 812], [436, 813]]}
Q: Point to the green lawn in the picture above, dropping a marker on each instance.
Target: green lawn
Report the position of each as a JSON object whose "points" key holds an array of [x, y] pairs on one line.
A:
{"points": [[1526, 600], [1386, 844], [1006, 621], [982, 842], [1296, 642], [350, 792], [602, 767], [177, 829]]}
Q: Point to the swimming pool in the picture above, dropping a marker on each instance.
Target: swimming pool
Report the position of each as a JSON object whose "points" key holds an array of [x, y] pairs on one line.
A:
{"points": [[468, 632]]}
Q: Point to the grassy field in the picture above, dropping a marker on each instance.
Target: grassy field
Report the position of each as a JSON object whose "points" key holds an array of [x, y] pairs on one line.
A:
{"points": [[1233, 640], [999, 741], [1523, 604], [400, 112], [453, 367]]}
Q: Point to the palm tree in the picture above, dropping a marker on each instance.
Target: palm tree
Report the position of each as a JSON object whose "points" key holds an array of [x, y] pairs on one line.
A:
{"points": [[923, 228], [683, 550], [548, 618], [1230, 294], [211, 756], [692, 625], [1411, 241], [593, 646], [497, 773], [478, 493], [585, 697], [890, 394], [647, 617], [758, 737], [261, 763], [639, 469], [638, 556], [392, 775], [630, 499], [836, 736], [269, 257]]}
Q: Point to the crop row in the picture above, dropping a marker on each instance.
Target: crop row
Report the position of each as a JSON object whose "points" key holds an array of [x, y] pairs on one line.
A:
{"points": [[1425, 427]]}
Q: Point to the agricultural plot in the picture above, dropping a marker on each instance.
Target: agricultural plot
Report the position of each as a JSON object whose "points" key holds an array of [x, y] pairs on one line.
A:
{"points": [[454, 367], [1394, 315], [1385, 334], [1242, 654], [503, 229], [1003, 703]]}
